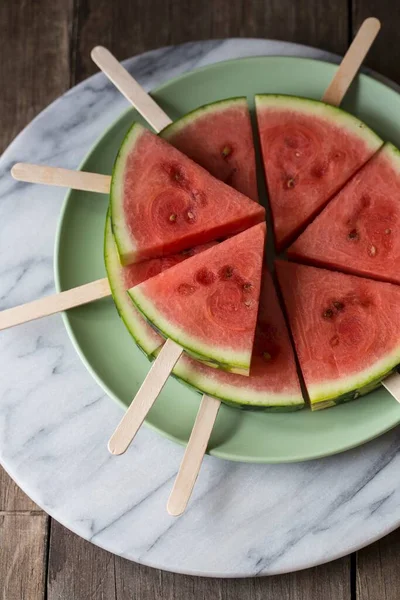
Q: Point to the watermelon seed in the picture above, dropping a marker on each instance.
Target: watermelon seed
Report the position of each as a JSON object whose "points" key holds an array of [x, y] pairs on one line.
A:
{"points": [[185, 289], [388, 231], [338, 305], [205, 276], [328, 314], [372, 251], [226, 272], [248, 303], [353, 235], [226, 151], [334, 341], [267, 356], [191, 217], [247, 287], [290, 183], [172, 217], [297, 154]]}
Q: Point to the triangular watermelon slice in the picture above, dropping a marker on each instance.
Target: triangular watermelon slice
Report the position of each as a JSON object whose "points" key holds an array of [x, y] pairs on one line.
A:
{"points": [[273, 383], [346, 330], [219, 137], [122, 278], [208, 304], [358, 231], [310, 149], [162, 202]]}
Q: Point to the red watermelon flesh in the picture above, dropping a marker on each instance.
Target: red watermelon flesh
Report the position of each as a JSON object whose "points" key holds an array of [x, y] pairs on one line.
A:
{"points": [[208, 304], [310, 149], [273, 381], [122, 278], [219, 137], [346, 330], [162, 202], [358, 231]]}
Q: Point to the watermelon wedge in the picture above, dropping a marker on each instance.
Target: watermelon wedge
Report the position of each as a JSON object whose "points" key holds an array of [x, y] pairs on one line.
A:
{"points": [[358, 231], [273, 383], [122, 278], [346, 330], [219, 137], [310, 149], [162, 202], [208, 304]]}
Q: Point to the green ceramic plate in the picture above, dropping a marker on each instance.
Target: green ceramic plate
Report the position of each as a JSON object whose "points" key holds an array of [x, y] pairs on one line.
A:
{"points": [[106, 347]]}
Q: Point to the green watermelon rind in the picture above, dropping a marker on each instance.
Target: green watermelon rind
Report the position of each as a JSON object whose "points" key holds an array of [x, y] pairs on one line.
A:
{"points": [[121, 233], [133, 320], [201, 111], [331, 393], [234, 362], [316, 108], [245, 398]]}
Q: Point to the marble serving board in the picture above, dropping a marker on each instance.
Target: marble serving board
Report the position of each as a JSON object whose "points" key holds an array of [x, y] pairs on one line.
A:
{"points": [[243, 520]]}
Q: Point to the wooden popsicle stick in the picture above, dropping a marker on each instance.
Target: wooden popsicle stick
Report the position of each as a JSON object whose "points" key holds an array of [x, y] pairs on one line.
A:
{"points": [[193, 457], [130, 88], [352, 61], [392, 384], [77, 180], [145, 398], [54, 304]]}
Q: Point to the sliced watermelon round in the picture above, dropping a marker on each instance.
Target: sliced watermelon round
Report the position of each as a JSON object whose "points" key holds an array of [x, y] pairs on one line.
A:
{"points": [[162, 202], [310, 149], [358, 231], [346, 330], [219, 137], [273, 383], [208, 304], [122, 278]]}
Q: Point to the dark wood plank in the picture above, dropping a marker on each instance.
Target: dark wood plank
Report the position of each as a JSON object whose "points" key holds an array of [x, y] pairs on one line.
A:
{"points": [[77, 569], [12, 498], [23, 543], [128, 28], [378, 572], [384, 57], [330, 582], [35, 39]]}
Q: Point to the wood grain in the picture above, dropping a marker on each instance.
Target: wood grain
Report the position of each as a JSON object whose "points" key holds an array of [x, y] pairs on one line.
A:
{"points": [[78, 570], [23, 544], [12, 498], [35, 38], [385, 54], [128, 28], [378, 572], [327, 582]]}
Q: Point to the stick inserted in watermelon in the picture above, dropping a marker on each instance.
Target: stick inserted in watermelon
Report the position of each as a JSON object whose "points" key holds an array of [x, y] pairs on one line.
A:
{"points": [[208, 304], [358, 231], [346, 330], [310, 149], [162, 202]]}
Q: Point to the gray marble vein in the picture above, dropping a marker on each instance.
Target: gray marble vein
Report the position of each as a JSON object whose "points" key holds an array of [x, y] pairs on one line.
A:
{"points": [[243, 520]]}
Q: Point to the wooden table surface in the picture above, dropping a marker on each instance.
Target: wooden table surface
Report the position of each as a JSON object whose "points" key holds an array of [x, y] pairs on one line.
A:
{"points": [[45, 47]]}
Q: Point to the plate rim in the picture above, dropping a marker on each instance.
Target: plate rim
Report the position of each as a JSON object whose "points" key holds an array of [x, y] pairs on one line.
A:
{"points": [[57, 269]]}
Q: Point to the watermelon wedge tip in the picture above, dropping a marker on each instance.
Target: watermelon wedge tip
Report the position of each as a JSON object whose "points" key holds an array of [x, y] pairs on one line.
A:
{"points": [[346, 330], [358, 232], [208, 304], [162, 202], [310, 149], [219, 137]]}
